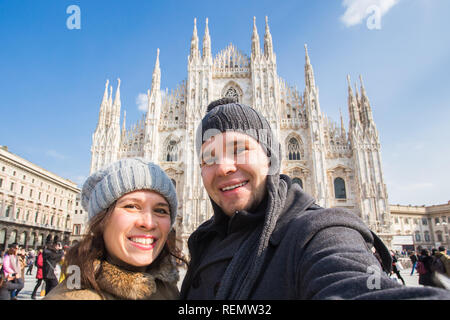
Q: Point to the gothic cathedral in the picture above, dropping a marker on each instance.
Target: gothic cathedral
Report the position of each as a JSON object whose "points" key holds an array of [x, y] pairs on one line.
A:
{"points": [[339, 167]]}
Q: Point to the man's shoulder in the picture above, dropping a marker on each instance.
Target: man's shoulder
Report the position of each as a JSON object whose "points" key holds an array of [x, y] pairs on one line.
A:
{"points": [[319, 217], [304, 225]]}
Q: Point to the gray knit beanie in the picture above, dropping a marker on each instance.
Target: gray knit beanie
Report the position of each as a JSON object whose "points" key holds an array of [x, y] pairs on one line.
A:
{"points": [[105, 186], [227, 115]]}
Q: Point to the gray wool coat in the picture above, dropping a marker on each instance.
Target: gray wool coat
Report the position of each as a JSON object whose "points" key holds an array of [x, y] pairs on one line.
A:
{"points": [[313, 253]]}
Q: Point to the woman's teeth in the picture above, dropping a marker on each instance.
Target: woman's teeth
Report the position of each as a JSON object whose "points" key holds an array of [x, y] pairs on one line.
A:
{"points": [[144, 241], [235, 186]]}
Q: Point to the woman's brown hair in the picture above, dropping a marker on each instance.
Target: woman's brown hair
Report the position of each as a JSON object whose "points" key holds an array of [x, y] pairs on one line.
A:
{"points": [[92, 248]]}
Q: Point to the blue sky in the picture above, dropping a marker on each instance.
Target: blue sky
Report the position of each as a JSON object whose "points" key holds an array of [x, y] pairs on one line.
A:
{"points": [[52, 78]]}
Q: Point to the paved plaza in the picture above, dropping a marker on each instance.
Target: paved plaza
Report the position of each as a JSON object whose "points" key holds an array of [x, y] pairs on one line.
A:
{"points": [[30, 282]]}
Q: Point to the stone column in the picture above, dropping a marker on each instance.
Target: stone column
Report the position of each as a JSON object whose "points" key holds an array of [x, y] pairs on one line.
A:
{"points": [[8, 233], [28, 238]]}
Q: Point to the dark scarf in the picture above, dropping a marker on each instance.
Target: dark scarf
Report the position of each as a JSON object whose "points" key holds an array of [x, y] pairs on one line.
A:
{"points": [[245, 267]]}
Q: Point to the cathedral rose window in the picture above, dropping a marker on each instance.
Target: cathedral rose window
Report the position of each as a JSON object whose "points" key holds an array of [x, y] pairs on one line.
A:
{"points": [[232, 93]]}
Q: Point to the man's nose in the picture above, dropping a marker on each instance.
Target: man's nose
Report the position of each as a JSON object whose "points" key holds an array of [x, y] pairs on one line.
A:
{"points": [[226, 165]]}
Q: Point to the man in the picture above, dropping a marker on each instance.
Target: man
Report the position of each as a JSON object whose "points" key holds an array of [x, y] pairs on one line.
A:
{"points": [[52, 255], [413, 257], [443, 260], [267, 238]]}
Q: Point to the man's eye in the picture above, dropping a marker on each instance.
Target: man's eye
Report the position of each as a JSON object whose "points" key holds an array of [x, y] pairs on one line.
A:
{"points": [[209, 161]]}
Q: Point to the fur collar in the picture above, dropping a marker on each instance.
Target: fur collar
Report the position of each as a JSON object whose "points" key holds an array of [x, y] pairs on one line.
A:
{"points": [[130, 285]]}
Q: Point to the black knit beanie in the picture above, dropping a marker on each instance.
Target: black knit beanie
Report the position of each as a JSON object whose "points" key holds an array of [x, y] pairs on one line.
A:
{"points": [[227, 115]]}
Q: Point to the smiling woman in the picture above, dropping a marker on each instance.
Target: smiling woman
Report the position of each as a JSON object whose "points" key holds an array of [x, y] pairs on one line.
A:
{"points": [[126, 253]]}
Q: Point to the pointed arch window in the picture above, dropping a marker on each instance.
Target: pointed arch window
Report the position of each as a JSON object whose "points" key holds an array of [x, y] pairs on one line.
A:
{"points": [[172, 151], [8, 211], [339, 189], [298, 181], [293, 149]]}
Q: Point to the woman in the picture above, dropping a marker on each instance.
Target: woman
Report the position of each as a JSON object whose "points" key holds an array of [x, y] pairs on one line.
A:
{"points": [[394, 267], [61, 264], [132, 206], [424, 268], [39, 274], [10, 281]]}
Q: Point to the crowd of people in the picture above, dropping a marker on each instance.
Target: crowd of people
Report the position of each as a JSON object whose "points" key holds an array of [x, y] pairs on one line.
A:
{"points": [[48, 261], [431, 266], [267, 238]]}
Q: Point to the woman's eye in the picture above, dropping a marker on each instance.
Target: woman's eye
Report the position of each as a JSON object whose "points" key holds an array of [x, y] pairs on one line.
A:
{"points": [[130, 206], [162, 211]]}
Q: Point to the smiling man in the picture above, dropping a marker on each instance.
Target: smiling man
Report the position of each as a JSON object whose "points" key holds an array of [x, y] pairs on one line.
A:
{"points": [[234, 171], [267, 238]]}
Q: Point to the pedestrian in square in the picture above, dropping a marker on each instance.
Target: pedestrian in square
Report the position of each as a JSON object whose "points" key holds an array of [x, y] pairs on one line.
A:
{"points": [[424, 268], [52, 254], [39, 273], [414, 259], [126, 254], [13, 280], [31, 258], [395, 268]]}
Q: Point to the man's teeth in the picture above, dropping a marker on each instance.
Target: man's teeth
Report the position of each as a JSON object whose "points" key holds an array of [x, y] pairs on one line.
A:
{"points": [[235, 186], [144, 241]]}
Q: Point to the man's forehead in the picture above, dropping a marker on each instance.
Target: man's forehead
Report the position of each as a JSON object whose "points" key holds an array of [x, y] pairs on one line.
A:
{"points": [[226, 138]]}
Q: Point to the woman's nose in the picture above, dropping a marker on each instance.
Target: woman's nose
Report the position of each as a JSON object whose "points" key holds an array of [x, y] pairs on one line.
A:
{"points": [[147, 221]]}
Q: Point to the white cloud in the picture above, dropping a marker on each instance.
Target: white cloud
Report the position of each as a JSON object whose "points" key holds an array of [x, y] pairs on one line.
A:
{"points": [[357, 10], [55, 154], [142, 101]]}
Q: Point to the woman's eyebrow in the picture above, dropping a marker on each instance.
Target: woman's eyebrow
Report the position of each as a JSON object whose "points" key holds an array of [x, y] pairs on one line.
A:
{"points": [[162, 204], [129, 199]]}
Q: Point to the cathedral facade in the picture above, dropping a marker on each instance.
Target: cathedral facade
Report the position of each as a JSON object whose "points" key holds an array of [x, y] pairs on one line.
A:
{"points": [[339, 167]]}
